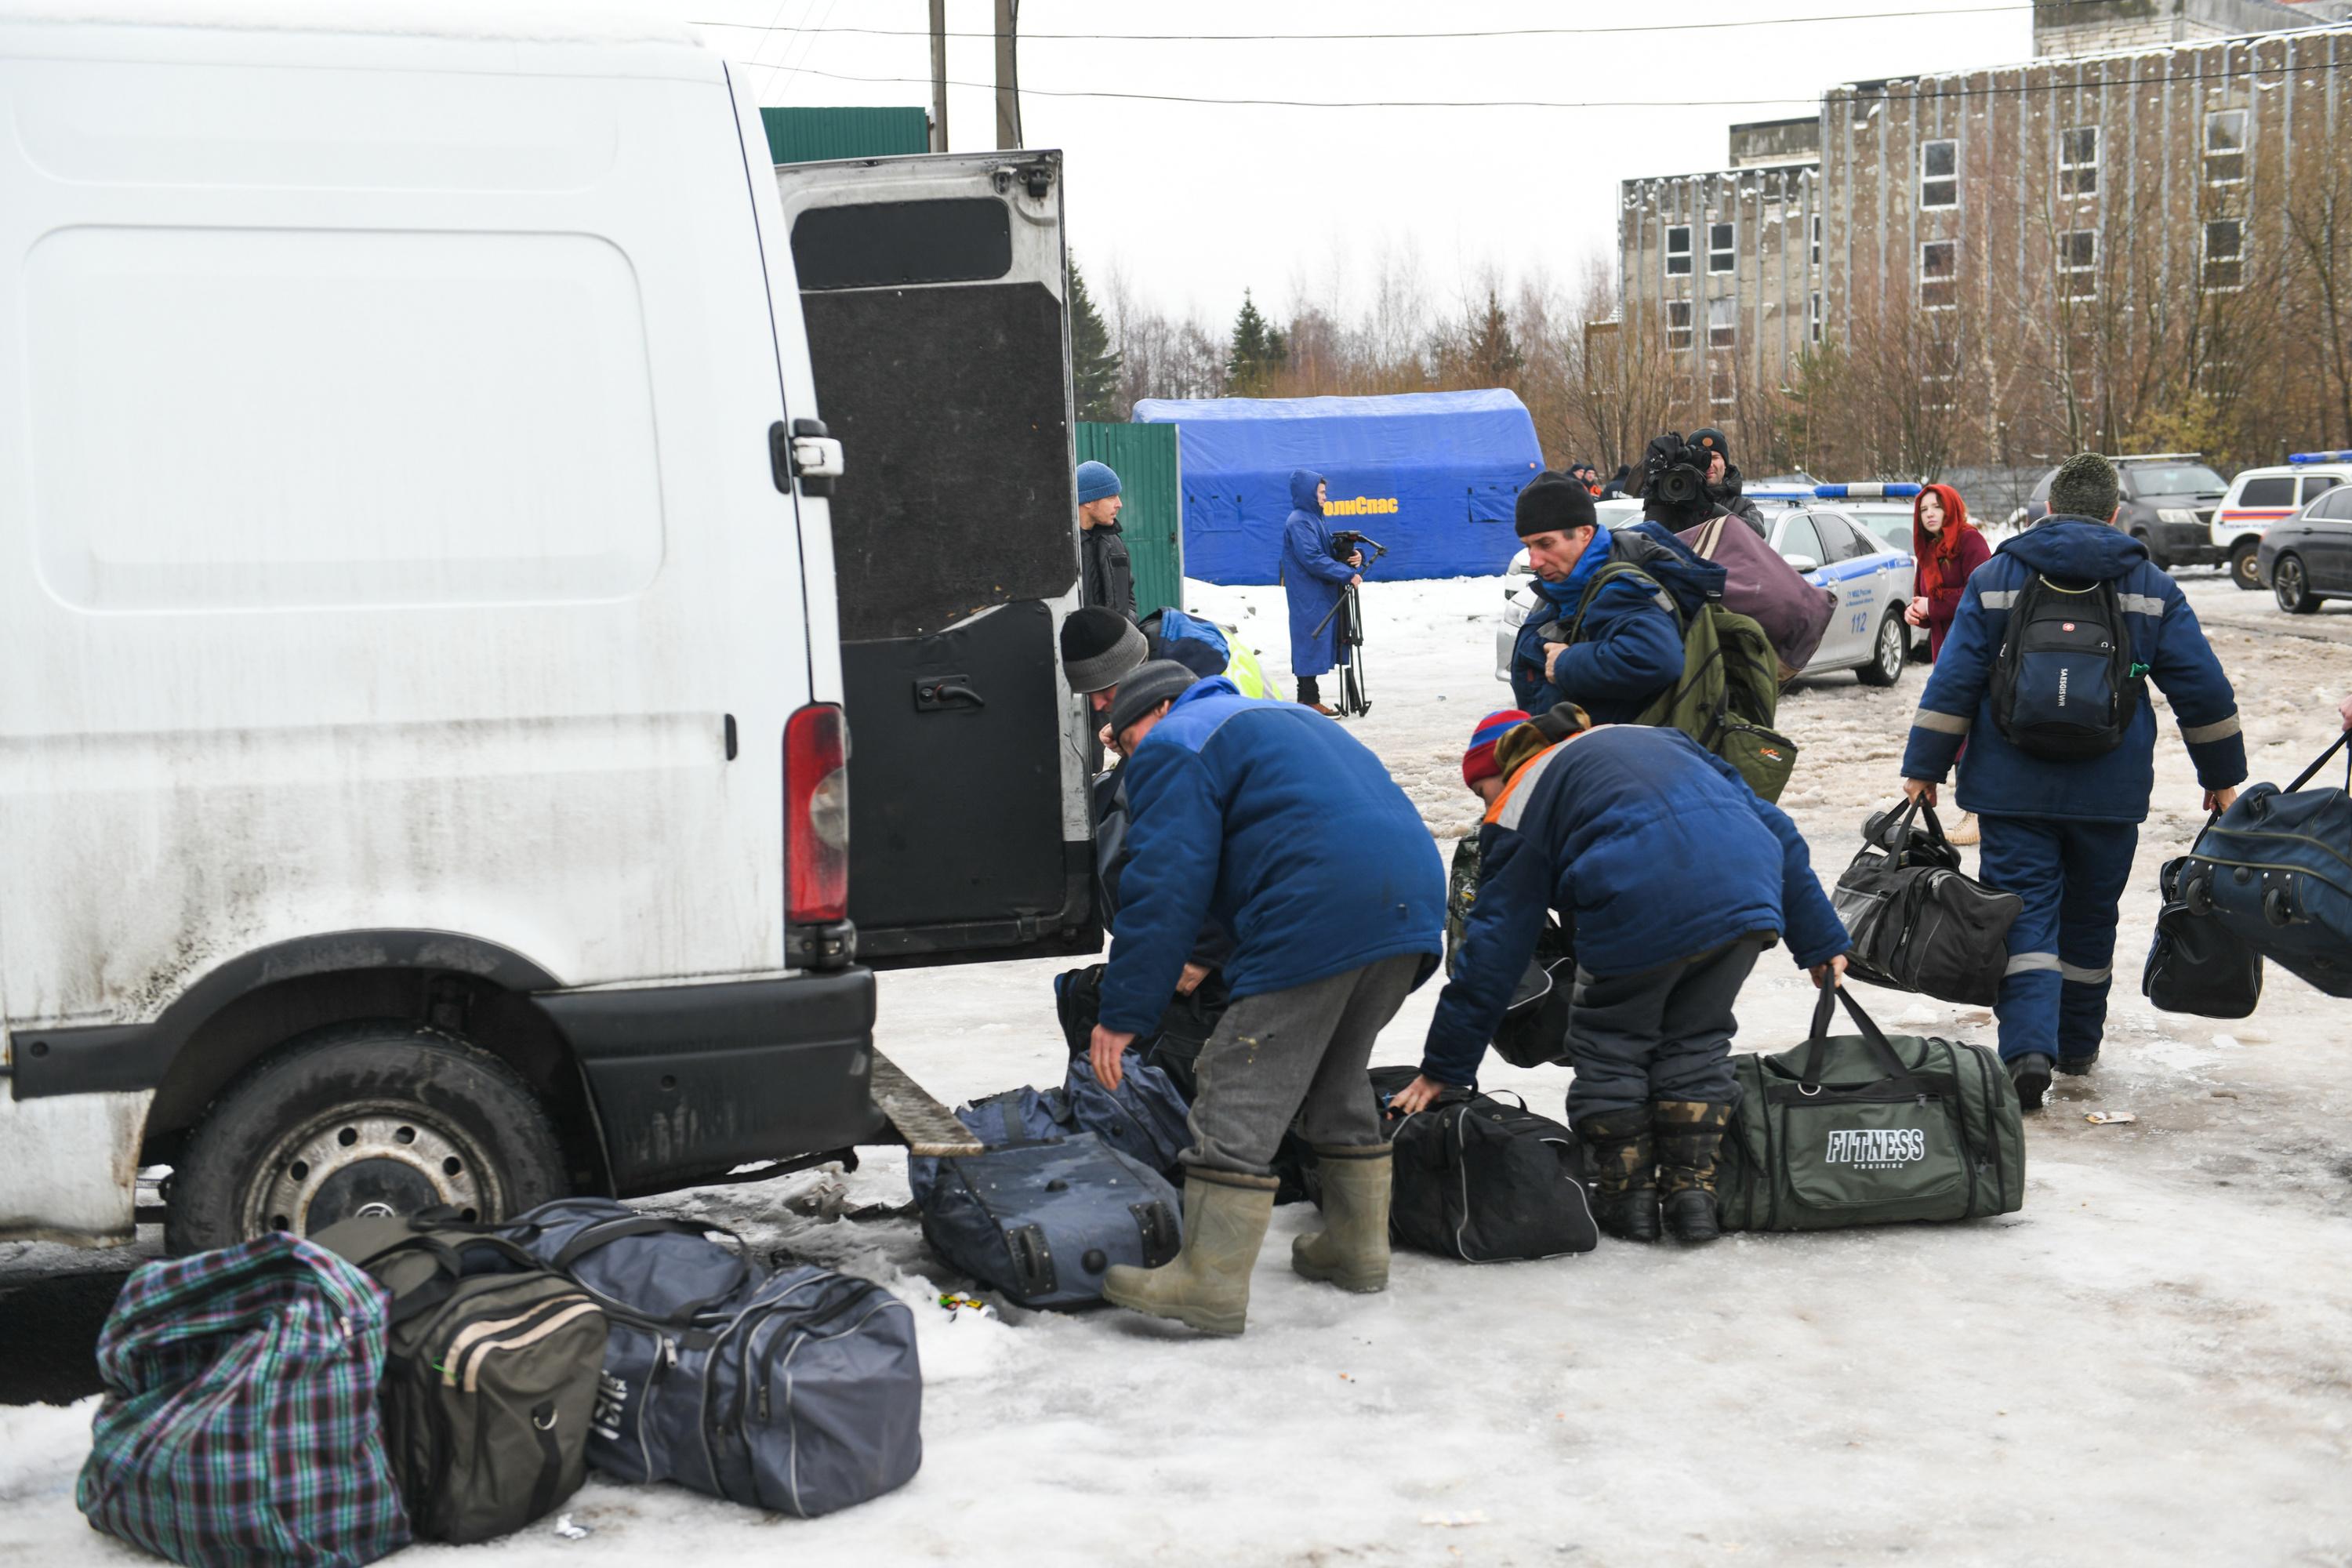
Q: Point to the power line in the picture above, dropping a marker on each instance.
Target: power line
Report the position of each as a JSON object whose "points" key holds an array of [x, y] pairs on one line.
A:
{"points": [[1418, 37], [1995, 91]]}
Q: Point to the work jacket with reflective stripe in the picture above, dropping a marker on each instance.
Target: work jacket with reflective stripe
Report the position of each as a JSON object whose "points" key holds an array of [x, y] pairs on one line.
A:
{"points": [[1999, 780]]}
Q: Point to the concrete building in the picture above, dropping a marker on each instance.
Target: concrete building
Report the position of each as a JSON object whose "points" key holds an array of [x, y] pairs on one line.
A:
{"points": [[2100, 27]]}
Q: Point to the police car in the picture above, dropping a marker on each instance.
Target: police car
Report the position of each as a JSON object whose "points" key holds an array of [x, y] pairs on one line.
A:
{"points": [[1823, 533], [2258, 498]]}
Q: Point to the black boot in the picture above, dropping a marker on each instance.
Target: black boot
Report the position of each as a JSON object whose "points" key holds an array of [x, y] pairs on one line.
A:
{"points": [[1626, 1205], [1688, 1133], [2031, 1074]]}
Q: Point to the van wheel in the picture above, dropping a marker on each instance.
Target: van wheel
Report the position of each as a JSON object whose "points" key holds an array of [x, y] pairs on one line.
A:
{"points": [[2292, 587], [2245, 570], [1887, 654], [384, 1118]]}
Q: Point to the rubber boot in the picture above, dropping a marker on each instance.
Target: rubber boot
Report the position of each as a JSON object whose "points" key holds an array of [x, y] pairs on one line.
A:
{"points": [[1626, 1205], [1689, 1133], [1352, 1250], [1206, 1285]]}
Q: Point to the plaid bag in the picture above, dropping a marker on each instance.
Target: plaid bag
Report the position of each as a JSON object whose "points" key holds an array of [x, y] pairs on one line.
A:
{"points": [[239, 1426]]}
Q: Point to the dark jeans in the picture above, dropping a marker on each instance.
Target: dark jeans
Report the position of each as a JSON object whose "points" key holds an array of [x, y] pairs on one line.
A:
{"points": [[1308, 691], [1301, 1052], [1664, 1034]]}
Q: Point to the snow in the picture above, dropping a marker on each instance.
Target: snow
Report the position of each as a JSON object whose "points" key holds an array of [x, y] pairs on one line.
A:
{"points": [[2151, 1363]]}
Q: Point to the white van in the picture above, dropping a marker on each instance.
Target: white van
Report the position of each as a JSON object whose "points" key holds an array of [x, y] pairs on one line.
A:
{"points": [[425, 644], [2259, 497]]}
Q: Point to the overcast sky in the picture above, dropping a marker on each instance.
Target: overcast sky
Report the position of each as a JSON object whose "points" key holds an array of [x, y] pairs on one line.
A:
{"points": [[1194, 202]]}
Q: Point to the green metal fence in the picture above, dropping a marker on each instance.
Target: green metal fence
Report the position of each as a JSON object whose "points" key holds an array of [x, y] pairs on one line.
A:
{"points": [[820, 135], [1152, 521]]}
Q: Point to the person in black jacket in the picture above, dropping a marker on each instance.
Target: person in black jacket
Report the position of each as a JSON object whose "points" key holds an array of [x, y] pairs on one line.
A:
{"points": [[1107, 577], [1723, 480]]}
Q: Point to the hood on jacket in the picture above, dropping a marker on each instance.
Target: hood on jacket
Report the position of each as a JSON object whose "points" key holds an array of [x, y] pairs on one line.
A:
{"points": [[2076, 549], [1302, 492], [1956, 517]]}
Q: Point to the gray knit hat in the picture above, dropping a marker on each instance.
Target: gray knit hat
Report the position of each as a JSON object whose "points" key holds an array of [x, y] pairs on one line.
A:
{"points": [[1098, 648], [1161, 680], [2085, 486]]}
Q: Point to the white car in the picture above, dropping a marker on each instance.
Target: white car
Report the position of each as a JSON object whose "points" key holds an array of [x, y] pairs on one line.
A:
{"points": [[1866, 633], [2258, 498]]}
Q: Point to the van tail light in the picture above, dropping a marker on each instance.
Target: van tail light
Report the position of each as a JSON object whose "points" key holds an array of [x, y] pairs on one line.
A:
{"points": [[816, 816]]}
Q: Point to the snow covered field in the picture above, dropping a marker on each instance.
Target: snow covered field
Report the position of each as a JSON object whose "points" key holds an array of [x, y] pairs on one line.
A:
{"points": [[2152, 1363]]}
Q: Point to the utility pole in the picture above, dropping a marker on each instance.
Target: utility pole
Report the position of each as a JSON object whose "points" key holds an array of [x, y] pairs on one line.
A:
{"points": [[939, 76], [1008, 77]]}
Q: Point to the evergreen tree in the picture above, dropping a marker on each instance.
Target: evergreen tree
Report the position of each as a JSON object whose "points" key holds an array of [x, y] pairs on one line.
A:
{"points": [[1094, 365], [1258, 351], [1494, 353]]}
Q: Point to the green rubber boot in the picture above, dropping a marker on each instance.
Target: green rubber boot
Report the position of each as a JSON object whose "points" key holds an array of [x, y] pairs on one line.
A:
{"points": [[1206, 1285], [1352, 1250]]}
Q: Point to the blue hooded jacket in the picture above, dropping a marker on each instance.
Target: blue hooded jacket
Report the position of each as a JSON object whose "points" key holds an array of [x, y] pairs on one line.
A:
{"points": [[1282, 828], [1632, 648], [1651, 850], [1312, 579], [1999, 780]]}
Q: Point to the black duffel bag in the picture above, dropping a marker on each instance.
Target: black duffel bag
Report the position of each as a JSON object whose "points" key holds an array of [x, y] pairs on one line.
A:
{"points": [[1534, 1030], [1482, 1180], [2197, 964], [1917, 922]]}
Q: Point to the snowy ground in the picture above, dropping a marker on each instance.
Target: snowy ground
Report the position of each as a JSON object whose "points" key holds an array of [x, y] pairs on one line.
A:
{"points": [[2151, 1363]]}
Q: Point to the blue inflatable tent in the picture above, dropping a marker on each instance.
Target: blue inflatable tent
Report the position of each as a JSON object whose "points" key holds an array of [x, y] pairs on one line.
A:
{"points": [[1432, 475]]}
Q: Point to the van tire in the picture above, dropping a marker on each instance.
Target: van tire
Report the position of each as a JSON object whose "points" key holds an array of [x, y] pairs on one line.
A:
{"points": [[2245, 571], [431, 1119]]}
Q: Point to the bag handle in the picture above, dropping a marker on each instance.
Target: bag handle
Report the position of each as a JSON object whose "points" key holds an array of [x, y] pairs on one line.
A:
{"points": [[1816, 1058], [2320, 762], [611, 1230]]}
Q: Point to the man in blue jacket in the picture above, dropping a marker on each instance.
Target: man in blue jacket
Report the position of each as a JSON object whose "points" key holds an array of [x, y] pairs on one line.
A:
{"points": [[1313, 578], [1670, 876], [1625, 646], [1289, 834], [2061, 834]]}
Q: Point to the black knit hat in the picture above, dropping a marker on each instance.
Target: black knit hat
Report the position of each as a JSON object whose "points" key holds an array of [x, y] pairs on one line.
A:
{"points": [[1709, 439], [1161, 680], [1552, 503], [1098, 647]]}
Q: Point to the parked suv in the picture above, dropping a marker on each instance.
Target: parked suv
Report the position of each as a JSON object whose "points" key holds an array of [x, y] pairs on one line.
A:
{"points": [[2167, 505], [2261, 497]]}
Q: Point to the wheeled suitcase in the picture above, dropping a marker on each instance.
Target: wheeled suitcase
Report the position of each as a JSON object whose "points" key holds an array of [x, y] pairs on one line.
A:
{"points": [[2275, 871], [1041, 1222]]}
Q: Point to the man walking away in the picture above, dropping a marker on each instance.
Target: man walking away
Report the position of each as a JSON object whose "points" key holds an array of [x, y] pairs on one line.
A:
{"points": [[1724, 481], [1106, 576], [2061, 750], [1614, 652], [1291, 835], [1313, 577], [1670, 876]]}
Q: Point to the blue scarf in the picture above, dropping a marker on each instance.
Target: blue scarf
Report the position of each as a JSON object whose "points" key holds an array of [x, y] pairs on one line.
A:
{"points": [[1562, 595]]}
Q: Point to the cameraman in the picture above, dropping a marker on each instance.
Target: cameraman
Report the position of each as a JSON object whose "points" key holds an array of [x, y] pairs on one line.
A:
{"points": [[1314, 574], [1609, 645], [1723, 480]]}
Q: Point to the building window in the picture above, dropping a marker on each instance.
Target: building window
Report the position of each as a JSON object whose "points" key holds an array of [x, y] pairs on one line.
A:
{"points": [[1939, 177], [1817, 241], [1722, 247], [1678, 251], [1723, 385], [1940, 372], [2225, 253], [1814, 316], [1678, 323], [1940, 274], [2078, 264], [2225, 146], [2078, 161], [1722, 322]]}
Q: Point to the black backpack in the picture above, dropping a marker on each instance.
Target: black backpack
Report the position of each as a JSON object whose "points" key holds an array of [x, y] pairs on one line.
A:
{"points": [[2063, 685]]}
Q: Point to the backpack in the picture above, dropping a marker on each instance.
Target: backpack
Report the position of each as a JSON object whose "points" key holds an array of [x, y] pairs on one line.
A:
{"points": [[2064, 688], [1729, 693], [489, 1377], [240, 1425]]}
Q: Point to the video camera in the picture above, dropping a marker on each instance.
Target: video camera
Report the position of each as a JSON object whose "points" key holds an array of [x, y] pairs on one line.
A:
{"points": [[1674, 473], [1345, 542]]}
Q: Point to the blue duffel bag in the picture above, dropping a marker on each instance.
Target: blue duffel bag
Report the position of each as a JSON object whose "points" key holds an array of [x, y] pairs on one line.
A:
{"points": [[2276, 871], [1041, 1222], [799, 1392], [1144, 1116]]}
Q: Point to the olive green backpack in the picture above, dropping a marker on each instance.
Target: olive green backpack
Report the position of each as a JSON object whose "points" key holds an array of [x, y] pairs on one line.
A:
{"points": [[1729, 693]]}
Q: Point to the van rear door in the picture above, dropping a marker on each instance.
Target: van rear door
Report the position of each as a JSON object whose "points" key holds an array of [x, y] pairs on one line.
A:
{"points": [[933, 290]]}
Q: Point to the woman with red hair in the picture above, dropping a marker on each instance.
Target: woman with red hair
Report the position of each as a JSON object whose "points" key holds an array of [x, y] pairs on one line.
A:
{"points": [[1949, 549]]}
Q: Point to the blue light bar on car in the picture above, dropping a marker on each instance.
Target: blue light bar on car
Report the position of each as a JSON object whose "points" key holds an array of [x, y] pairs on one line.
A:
{"points": [[1865, 492], [2320, 458], [1778, 495]]}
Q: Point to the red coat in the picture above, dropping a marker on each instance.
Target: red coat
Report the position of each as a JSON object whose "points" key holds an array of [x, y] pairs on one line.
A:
{"points": [[1969, 551]]}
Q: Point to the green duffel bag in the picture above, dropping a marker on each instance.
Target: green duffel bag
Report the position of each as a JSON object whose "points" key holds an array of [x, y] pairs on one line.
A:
{"points": [[1862, 1130]]}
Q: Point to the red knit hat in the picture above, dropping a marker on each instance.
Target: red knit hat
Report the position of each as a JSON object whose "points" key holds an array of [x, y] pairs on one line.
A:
{"points": [[1478, 761]]}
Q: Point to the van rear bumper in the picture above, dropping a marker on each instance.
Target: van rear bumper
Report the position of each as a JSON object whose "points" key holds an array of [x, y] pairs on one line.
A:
{"points": [[691, 1082]]}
